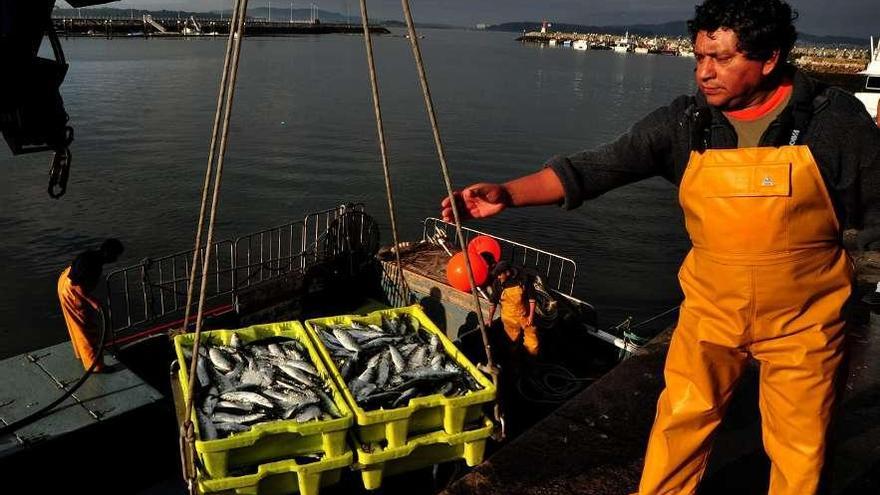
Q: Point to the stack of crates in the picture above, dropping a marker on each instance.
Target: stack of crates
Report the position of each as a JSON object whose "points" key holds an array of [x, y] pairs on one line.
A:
{"points": [[266, 459], [427, 430]]}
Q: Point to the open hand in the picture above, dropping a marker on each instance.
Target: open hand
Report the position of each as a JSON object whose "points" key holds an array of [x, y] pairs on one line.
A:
{"points": [[481, 200]]}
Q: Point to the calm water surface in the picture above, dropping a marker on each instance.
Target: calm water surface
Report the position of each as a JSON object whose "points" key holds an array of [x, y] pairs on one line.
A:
{"points": [[303, 138]]}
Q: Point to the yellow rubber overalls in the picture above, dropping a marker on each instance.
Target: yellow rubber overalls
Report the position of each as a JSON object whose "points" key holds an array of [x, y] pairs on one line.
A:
{"points": [[767, 278], [75, 304], [513, 316]]}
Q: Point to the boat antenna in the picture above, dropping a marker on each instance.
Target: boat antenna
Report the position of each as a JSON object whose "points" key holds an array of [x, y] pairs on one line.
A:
{"points": [[399, 280], [490, 366], [219, 141]]}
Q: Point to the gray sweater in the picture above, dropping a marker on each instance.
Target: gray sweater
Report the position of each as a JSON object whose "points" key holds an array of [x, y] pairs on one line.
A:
{"points": [[835, 125]]}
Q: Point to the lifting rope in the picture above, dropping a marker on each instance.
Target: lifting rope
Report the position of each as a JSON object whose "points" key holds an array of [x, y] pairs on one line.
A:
{"points": [[221, 129], [399, 279], [432, 116]]}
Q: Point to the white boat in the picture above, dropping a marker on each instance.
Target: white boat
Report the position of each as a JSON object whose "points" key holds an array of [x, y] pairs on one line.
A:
{"points": [[642, 50], [552, 42], [685, 53], [622, 45], [580, 45], [870, 95]]}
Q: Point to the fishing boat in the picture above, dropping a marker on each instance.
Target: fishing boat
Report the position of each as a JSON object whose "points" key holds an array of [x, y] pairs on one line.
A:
{"points": [[622, 45], [870, 93], [580, 45], [322, 264]]}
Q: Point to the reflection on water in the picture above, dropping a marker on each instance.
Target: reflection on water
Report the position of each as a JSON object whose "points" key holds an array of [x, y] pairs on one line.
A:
{"points": [[303, 138]]}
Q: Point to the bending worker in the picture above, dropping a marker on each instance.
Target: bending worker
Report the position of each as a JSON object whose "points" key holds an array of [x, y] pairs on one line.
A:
{"points": [[770, 165], [514, 291], [75, 286]]}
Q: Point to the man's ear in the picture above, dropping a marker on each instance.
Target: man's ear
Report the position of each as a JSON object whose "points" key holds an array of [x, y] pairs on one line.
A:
{"points": [[771, 63]]}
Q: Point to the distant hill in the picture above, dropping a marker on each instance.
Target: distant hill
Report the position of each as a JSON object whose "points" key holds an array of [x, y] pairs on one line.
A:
{"points": [[675, 28], [401, 24]]}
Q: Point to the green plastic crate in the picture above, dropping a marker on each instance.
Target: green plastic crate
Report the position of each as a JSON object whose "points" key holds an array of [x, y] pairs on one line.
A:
{"points": [[374, 463], [282, 478], [275, 440], [422, 414]]}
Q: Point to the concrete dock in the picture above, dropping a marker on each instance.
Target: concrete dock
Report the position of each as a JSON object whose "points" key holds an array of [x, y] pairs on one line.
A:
{"points": [[594, 444]]}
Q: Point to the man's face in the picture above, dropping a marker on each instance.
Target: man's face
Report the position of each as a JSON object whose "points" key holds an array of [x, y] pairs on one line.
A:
{"points": [[503, 276], [725, 75]]}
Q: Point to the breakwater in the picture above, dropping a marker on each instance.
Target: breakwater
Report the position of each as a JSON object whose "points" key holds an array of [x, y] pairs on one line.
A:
{"points": [[148, 26]]}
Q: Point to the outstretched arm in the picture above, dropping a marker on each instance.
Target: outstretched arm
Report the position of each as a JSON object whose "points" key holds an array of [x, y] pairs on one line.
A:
{"points": [[653, 146], [485, 200]]}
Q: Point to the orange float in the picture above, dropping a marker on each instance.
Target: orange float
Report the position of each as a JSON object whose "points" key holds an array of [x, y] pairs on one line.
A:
{"points": [[456, 271], [485, 244]]}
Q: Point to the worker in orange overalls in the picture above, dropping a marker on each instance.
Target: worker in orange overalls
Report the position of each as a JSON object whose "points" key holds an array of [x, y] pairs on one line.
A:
{"points": [[75, 286], [514, 291], [771, 165]]}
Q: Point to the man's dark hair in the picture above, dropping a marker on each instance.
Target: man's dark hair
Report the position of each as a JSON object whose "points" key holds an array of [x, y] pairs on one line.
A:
{"points": [[111, 249], [762, 26], [85, 271]]}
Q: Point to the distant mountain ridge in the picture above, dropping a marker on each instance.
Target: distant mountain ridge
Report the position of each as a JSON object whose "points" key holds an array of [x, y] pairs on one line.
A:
{"points": [[674, 28]]}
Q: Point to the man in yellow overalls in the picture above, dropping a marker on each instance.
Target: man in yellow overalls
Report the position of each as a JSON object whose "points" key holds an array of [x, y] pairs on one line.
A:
{"points": [[770, 166], [513, 290], [75, 286]]}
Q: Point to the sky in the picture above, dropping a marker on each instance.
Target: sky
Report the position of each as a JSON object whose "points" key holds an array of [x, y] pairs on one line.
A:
{"points": [[859, 18]]}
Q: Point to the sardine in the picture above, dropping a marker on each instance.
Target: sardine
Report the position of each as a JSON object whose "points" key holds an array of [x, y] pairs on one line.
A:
{"points": [[230, 427], [383, 369], [309, 414], [238, 406], [405, 397], [397, 359], [305, 366], [220, 360], [297, 374], [221, 417], [206, 426], [346, 340], [251, 397]]}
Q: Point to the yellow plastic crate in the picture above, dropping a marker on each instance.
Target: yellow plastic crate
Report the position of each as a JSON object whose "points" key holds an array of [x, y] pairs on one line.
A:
{"points": [[275, 440], [422, 451], [422, 414], [282, 478]]}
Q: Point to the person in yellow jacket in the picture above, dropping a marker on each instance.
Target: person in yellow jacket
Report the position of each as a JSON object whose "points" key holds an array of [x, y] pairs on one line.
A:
{"points": [[513, 290], [771, 166], [75, 287]]}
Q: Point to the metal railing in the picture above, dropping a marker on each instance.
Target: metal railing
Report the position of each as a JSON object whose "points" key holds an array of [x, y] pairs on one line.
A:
{"points": [[156, 288], [558, 272]]}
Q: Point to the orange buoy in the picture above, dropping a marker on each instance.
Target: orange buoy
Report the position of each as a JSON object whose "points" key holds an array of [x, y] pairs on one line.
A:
{"points": [[485, 244], [456, 271]]}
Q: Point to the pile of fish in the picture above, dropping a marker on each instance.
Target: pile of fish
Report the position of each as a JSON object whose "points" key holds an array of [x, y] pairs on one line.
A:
{"points": [[244, 384], [386, 366]]}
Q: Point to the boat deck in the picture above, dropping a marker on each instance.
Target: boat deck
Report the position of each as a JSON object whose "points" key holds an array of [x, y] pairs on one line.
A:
{"points": [[34, 379]]}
